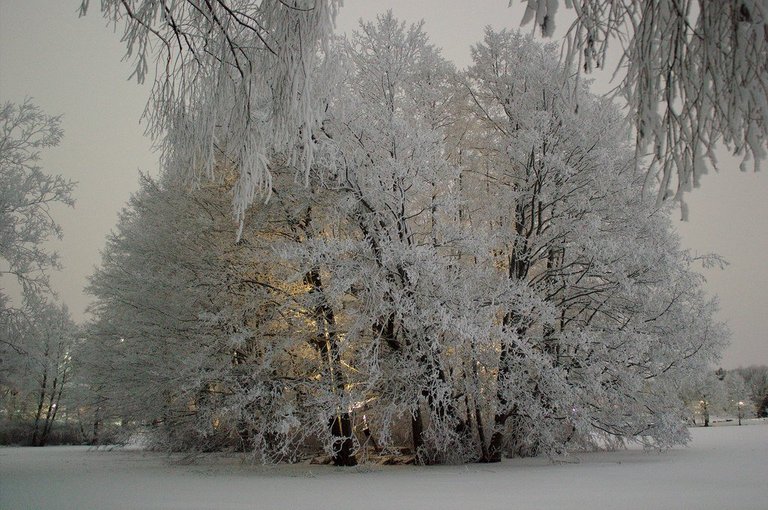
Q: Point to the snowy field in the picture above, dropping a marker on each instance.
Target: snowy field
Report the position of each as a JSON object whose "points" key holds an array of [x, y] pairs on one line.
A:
{"points": [[726, 467]]}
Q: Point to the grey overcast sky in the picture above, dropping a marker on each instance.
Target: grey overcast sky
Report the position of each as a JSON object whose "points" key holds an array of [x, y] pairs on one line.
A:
{"points": [[73, 67]]}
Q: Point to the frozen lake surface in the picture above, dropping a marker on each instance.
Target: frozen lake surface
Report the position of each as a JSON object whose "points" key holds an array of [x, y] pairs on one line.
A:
{"points": [[724, 467]]}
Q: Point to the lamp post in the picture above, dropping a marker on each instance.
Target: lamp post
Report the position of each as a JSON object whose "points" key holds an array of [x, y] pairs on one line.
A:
{"points": [[741, 405], [704, 411]]}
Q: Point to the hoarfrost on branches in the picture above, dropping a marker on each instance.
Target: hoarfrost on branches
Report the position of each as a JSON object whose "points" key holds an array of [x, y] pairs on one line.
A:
{"points": [[694, 75], [34, 377], [27, 196], [233, 81], [472, 271]]}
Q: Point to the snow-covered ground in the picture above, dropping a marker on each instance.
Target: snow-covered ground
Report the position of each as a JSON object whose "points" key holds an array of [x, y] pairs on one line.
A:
{"points": [[726, 467]]}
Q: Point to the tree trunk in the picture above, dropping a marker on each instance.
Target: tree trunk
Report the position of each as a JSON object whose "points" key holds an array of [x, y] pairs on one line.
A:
{"points": [[517, 269], [39, 413], [506, 358], [326, 340], [96, 426], [53, 406], [343, 447], [417, 429]]}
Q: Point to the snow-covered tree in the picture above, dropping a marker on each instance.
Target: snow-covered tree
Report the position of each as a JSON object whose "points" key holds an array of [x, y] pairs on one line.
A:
{"points": [[738, 401], [704, 395], [472, 270], [756, 379], [38, 374], [412, 310], [229, 351], [574, 228], [27, 195], [234, 78], [694, 75], [166, 327], [740, 392], [233, 81]]}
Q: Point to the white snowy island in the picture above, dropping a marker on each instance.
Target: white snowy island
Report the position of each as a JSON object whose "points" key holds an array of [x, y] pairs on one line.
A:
{"points": [[724, 467]]}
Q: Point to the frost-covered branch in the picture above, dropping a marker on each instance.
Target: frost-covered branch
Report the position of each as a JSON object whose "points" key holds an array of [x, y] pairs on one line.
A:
{"points": [[694, 75], [233, 81]]}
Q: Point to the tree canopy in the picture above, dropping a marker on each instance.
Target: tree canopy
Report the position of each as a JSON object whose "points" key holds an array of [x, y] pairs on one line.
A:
{"points": [[472, 270], [27, 196], [234, 78], [693, 74]]}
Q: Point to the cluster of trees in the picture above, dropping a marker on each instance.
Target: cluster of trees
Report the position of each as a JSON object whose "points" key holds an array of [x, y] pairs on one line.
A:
{"points": [[678, 62], [738, 393], [756, 380], [36, 334], [472, 266], [470, 270]]}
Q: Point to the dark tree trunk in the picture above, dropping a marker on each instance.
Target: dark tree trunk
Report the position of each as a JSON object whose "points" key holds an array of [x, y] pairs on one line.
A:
{"points": [[53, 406], [503, 411], [343, 447], [326, 340], [96, 426], [484, 453], [494, 451], [514, 325], [417, 429], [39, 413]]}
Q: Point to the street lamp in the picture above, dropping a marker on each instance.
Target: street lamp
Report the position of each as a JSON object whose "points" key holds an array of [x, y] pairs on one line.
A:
{"points": [[741, 405], [704, 411]]}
